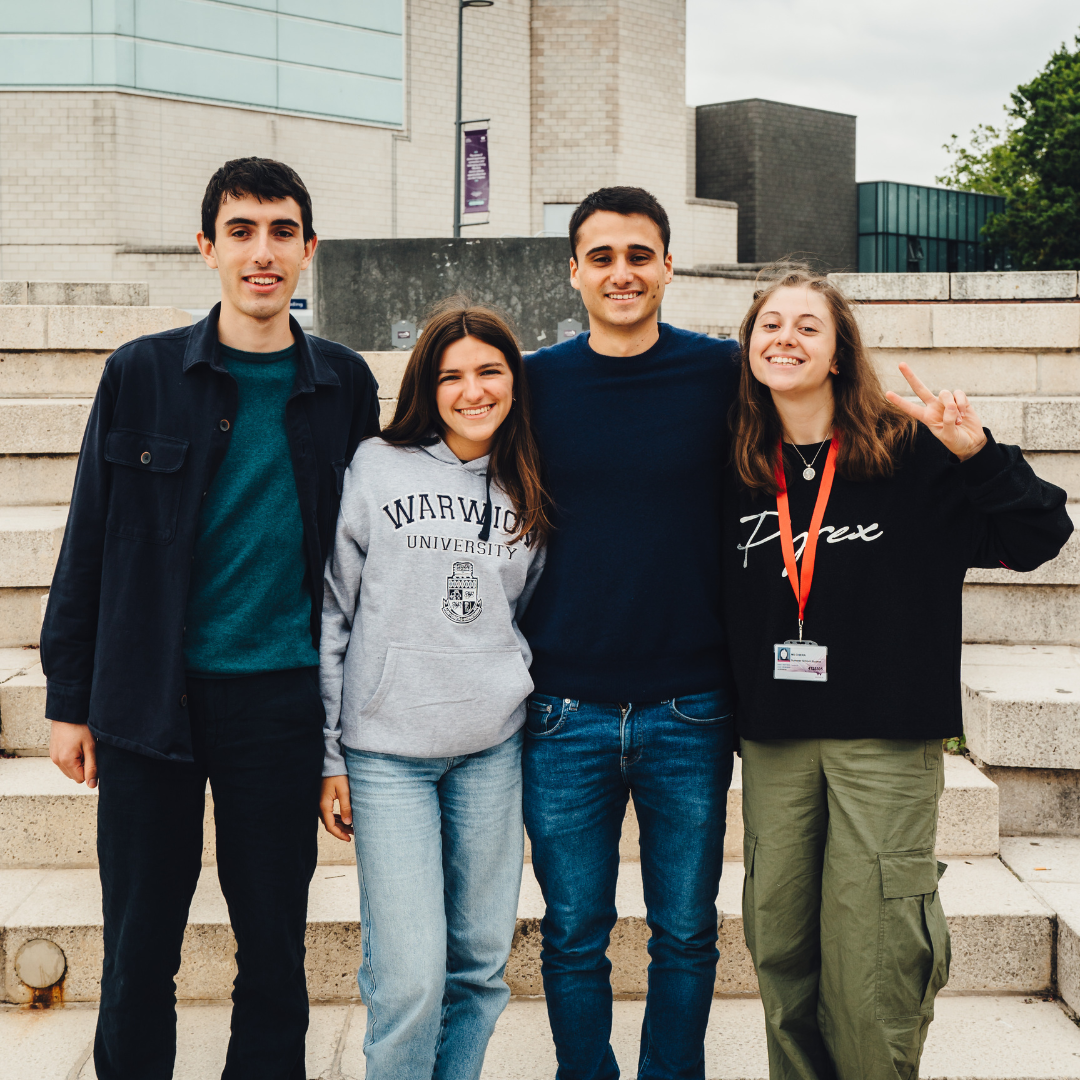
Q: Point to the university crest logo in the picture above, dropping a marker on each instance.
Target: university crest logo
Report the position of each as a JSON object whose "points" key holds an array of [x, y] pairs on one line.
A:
{"points": [[462, 604]]}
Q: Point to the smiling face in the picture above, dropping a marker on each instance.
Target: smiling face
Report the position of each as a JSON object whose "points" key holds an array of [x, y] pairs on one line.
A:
{"points": [[258, 251], [620, 269], [793, 344], [474, 392]]}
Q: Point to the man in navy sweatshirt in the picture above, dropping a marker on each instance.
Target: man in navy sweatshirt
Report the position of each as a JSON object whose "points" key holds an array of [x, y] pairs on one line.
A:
{"points": [[629, 655]]}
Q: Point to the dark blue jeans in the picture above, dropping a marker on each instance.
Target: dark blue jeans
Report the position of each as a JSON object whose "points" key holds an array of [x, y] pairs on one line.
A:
{"points": [[582, 760], [259, 741]]}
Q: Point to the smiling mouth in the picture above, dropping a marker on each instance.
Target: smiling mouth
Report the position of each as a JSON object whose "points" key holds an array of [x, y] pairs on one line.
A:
{"points": [[262, 280], [475, 411], [623, 295], [785, 361]]}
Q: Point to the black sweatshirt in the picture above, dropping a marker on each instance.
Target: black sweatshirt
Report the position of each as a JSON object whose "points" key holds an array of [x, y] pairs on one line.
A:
{"points": [[887, 587]]}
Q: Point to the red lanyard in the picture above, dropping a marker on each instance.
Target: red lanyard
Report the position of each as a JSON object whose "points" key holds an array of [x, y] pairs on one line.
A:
{"points": [[787, 542]]}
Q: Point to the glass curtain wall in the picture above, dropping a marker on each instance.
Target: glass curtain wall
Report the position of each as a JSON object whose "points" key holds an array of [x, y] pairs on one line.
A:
{"points": [[905, 228]]}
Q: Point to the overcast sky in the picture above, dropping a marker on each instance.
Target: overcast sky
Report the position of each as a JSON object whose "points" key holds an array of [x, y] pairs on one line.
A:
{"points": [[914, 72]]}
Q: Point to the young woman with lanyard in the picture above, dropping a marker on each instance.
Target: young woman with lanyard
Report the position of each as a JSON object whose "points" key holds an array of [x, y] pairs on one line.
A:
{"points": [[851, 521]]}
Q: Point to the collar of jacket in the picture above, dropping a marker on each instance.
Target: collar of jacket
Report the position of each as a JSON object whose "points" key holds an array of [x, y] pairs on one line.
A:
{"points": [[312, 367]]}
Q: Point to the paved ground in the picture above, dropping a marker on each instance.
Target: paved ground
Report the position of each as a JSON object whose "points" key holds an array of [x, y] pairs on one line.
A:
{"points": [[973, 1038]]}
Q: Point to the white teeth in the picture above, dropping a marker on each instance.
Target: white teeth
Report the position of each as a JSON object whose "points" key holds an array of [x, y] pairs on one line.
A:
{"points": [[476, 412], [262, 280], [622, 296], [791, 361]]}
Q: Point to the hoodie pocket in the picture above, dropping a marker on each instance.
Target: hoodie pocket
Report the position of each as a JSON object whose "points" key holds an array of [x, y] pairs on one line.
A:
{"points": [[429, 697]]}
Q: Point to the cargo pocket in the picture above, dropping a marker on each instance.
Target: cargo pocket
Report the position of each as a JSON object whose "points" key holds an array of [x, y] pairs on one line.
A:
{"points": [[914, 950], [144, 499]]}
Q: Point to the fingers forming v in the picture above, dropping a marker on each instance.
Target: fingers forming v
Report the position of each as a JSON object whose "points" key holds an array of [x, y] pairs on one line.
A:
{"points": [[916, 384]]}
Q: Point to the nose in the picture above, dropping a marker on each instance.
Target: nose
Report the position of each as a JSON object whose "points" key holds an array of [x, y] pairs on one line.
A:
{"points": [[263, 255], [621, 272], [472, 389]]}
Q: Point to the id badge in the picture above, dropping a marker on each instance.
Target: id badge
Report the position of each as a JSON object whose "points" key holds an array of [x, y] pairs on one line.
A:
{"points": [[800, 661]]}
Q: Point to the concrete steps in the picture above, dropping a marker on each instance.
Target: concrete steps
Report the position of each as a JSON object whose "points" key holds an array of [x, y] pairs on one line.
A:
{"points": [[30, 538], [1002, 933], [1022, 705], [971, 1038], [49, 821]]}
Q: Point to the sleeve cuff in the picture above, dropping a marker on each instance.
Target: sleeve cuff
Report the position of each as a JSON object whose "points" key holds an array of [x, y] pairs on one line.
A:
{"points": [[989, 462], [66, 703]]}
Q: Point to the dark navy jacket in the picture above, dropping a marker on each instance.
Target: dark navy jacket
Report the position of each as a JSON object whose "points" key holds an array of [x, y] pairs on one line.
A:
{"points": [[111, 644]]}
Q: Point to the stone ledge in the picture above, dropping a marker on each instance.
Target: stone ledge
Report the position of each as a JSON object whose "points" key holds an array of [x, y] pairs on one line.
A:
{"points": [[97, 293], [1014, 285], [82, 327], [892, 286]]}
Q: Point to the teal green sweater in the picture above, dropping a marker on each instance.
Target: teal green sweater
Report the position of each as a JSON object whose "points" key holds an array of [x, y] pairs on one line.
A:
{"points": [[249, 608]]}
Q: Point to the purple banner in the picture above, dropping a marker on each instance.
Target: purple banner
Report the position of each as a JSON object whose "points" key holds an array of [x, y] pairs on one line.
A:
{"points": [[477, 172]]}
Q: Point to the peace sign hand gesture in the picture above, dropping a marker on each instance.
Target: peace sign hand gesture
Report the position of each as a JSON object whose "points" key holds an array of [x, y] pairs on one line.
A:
{"points": [[951, 417]]}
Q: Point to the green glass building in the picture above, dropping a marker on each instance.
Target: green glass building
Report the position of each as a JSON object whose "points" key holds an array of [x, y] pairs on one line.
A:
{"points": [[905, 228]]}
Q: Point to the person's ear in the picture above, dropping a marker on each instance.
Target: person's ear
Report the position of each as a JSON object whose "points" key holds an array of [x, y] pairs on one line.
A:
{"points": [[206, 249]]}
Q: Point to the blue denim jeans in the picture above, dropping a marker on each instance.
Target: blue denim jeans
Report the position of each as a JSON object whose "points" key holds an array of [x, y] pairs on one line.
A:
{"points": [[439, 847], [582, 760]]}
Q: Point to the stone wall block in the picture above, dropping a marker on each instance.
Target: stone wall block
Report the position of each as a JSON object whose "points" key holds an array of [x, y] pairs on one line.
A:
{"points": [[35, 426], [1013, 285], [98, 327], [1052, 424], [972, 370], [22, 327], [892, 286], [895, 326], [83, 293], [13, 292], [1059, 373], [1005, 326]]}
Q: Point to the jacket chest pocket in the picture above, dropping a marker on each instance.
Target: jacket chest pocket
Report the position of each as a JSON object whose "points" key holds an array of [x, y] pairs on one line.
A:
{"points": [[146, 484]]}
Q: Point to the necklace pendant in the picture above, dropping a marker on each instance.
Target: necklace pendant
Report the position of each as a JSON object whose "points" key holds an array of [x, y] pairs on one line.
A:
{"points": [[808, 473]]}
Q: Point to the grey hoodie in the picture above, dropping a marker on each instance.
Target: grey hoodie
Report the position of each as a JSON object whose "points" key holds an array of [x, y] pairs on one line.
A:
{"points": [[421, 654]]}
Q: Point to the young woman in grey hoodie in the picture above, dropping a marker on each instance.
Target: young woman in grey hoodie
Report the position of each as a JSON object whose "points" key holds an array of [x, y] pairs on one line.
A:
{"points": [[424, 676]]}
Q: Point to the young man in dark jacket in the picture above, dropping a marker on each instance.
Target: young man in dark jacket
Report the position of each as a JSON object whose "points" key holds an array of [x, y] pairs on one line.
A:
{"points": [[629, 651], [181, 637]]}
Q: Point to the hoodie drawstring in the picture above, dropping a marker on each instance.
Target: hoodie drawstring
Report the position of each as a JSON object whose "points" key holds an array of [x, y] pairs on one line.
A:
{"points": [[485, 519]]}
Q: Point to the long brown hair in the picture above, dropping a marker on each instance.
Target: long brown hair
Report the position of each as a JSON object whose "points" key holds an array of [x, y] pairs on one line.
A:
{"points": [[873, 431], [515, 459]]}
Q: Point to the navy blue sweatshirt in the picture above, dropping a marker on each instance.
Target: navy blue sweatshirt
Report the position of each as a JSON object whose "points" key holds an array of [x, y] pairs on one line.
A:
{"points": [[628, 607]]}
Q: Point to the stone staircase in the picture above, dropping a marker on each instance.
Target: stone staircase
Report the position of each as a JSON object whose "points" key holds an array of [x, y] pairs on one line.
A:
{"points": [[1012, 891]]}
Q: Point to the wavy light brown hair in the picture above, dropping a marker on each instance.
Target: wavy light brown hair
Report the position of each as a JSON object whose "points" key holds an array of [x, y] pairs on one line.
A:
{"points": [[873, 432], [515, 458]]}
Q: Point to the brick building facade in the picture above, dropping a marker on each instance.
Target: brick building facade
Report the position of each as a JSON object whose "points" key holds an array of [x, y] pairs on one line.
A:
{"points": [[792, 172], [102, 183]]}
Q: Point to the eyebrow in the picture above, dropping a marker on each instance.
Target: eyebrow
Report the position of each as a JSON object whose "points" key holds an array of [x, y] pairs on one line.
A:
{"points": [[804, 315], [632, 247], [276, 221]]}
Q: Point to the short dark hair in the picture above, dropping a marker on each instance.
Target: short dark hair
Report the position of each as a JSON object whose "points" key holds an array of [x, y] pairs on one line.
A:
{"points": [[620, 200], [263, 179]]}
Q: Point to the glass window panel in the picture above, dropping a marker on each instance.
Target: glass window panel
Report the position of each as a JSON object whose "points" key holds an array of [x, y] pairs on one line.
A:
{"points": [[972, 223], [890, 208], [209, 26], [49, 60], [867, 251], [338, 93], [867, 208], [46, 17], [932, 212], [901, 208], [383, 15], [338, 47], [242, 79], [923, 226]]}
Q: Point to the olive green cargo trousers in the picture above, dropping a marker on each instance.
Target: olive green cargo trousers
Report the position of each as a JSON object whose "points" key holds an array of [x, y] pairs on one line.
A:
{"points": [[840, 904]]}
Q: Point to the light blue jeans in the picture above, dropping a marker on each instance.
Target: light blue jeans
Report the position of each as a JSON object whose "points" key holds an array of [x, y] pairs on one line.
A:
{"points": [[439, 847]]}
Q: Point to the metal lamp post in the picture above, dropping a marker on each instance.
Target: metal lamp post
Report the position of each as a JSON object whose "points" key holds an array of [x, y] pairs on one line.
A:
{"points": [[462, 5]]}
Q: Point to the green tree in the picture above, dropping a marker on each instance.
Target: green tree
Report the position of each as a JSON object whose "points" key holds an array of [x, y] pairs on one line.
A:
{"points": [[1034, 161]]}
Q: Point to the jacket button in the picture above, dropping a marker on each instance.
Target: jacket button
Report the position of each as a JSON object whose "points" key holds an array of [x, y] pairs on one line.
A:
{"points": [[183, 701], [224, 425], [145, 458]]}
